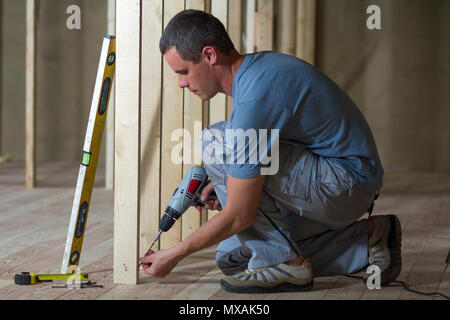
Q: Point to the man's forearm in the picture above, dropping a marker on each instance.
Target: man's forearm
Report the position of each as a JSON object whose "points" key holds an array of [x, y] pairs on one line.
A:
{"points": [[220, 227], [243, 196]]}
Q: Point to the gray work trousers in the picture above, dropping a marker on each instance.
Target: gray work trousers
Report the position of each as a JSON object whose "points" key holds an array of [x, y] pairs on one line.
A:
{"points": [[310, 207]]}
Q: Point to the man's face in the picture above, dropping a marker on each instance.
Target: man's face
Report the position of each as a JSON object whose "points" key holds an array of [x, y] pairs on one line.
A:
{"points": [[198, 78]]}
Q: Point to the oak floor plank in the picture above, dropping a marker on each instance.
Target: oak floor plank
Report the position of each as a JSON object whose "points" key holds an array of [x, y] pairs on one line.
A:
{"points": [[33, 217], [5, 282], [428, 269], [444, 284], [186, 273], [101, 272], [33, 228], [413, 242], [204, 288], [93, 251]]}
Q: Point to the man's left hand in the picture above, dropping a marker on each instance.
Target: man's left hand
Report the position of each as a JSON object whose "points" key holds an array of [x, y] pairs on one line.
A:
{"points": [[160, 263]]}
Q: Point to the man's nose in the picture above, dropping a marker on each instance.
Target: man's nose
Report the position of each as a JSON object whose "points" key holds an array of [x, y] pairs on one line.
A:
{"points": [[182, 82]]}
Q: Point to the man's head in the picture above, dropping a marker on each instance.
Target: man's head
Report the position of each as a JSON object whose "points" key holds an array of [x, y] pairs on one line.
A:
{"points": [[189, 31], [191, 44]]}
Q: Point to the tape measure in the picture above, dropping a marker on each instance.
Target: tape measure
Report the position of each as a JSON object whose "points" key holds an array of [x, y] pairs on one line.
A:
{"points": [[28, 278]]}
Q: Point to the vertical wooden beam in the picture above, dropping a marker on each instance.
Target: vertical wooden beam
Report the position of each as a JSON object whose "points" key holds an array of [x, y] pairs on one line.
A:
{"points": [[286, 27], [235, 33], [192, 124], [264, 25], [204, 214], [1, 62], [306, 30], [172, 119], [218, 104], [109, 134], [127, 142], [151, 75], [206, 103], [250, 25], [235, 23], [30, 96]]}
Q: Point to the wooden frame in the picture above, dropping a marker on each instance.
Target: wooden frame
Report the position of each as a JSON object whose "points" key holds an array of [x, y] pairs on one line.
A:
{"points": [[172, 119], [30, 95], [1, 72], [286, 27], [151, 75], [235, 32], [109, 129], [264, 25], [306, 30], [127, 142], [192, 124], [250, 26], [157, 121], [218, 104]]}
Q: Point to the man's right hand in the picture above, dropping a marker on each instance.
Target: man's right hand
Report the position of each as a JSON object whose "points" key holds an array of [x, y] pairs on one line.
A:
{"points": [[210, 204]]}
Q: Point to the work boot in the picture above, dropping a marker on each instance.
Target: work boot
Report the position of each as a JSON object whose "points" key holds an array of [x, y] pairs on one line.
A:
{"points": [[385, 247], [279, 278]]}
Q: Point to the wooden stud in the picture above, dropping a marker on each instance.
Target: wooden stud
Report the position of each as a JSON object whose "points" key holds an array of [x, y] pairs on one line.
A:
{"points": [[172, 119], [218, 104], [235, 23], [286, 27], [206, 103], [30, 96], [306, 30], [192, 125], [250, 26], [151, 75], [109, 134], [264, 25], [127, 143], [235, 33], [204, 213], [1, 72]]}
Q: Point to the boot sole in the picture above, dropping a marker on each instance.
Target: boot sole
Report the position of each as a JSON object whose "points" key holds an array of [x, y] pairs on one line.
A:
{"points": [[282, 287]]}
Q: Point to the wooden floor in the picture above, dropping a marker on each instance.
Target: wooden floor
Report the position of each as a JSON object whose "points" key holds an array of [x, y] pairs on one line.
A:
{"points": [[33, 227]]}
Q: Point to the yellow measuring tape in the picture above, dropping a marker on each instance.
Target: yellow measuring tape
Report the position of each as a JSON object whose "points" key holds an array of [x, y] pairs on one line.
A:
{"points": [[28, 278]]}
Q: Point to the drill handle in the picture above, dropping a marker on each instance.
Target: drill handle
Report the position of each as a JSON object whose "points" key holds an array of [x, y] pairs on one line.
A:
{"points": [[212, 196]]}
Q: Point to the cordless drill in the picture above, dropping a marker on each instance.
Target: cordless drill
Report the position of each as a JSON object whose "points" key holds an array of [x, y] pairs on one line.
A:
{"points": [[186, 194]]}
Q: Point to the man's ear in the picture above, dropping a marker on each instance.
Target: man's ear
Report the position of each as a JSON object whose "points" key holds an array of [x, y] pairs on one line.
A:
{"points": [[210, 54]]}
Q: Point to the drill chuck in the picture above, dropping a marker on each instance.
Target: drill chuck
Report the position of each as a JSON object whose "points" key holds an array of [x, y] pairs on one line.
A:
{"points": [[168, 219]]}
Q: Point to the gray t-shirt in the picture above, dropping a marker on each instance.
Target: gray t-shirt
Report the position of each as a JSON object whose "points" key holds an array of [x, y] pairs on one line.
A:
{"points": [[277, 91]]}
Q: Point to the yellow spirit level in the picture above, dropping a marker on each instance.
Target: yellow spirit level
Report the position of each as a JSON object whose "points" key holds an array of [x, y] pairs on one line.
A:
{"points": [[91, 150]]}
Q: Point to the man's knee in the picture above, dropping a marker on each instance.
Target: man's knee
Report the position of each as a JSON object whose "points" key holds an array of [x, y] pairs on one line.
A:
{"points": [[232, 262], [228, 265]]}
